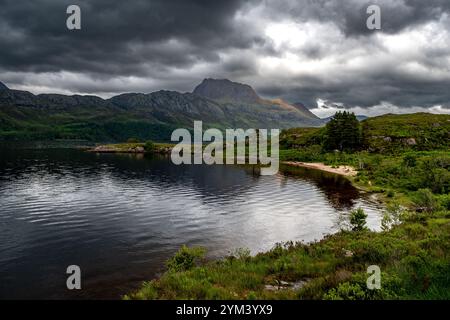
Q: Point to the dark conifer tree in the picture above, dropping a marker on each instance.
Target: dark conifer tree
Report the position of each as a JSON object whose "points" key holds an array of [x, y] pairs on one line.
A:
{"points": [[343, 132]]}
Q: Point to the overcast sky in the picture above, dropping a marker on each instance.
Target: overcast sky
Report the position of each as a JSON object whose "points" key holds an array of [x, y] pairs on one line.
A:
{"points": [[318, 52]]}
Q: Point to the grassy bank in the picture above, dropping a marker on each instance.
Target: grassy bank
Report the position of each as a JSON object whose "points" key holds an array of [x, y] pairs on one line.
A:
{"points": [[397, 176], [414, 259], [406, 160]]}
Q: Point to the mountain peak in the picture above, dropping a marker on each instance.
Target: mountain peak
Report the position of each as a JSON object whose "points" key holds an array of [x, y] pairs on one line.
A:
{"points": [[226, 90], [3, 86], [303, 109]]}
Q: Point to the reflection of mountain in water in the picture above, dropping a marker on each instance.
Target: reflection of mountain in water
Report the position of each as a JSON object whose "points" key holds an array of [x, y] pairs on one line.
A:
{"points": [[210, 181], [218, 181]]}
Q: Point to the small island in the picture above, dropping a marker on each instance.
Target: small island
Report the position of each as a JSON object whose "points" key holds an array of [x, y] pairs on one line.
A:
{"points": [[133, 146]]}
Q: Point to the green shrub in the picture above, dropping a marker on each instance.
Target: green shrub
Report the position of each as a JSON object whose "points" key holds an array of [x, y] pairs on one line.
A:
{"points": [[436, 174], [147, 292], [346, 291], [438, 180], [444, 201], [185, 258], [358, 220], [149, 146], [371, 252], [424, 201], [251, 295], [409, 160]]}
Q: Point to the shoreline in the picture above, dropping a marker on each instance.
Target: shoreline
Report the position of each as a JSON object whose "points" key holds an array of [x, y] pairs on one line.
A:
{"points": [[343, 170], [132, 148], [347, 171]]}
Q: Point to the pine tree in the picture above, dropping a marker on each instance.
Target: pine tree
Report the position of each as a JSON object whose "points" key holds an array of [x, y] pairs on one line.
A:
{"points": [[343, 132]]}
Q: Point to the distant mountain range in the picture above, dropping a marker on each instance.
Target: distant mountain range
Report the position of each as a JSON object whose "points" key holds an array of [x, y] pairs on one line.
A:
{"points": [[218, 103]]}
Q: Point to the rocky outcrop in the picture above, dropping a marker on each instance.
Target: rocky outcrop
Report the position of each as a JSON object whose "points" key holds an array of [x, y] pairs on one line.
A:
{"points": [[404, 141], [285, 285], [117, 148], [172, 106], [410, 141], [104, 149], [226, 90]]}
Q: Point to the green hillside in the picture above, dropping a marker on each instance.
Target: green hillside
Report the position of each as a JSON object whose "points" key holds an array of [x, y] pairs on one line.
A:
{"points": [[91, 124], [419, 131], [384, 134]]}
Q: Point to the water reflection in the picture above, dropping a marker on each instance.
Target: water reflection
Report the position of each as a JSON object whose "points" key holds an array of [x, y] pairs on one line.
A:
{"points": [[121, 216], [338, 190]]}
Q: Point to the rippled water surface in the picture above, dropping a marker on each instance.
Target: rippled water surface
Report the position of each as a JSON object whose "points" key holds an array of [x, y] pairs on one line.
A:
{"points": [[119, 217]]}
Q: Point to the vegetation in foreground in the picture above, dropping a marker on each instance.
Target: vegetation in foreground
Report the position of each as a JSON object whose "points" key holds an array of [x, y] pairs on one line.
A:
{"points": [[405, 159], [414, 258]]}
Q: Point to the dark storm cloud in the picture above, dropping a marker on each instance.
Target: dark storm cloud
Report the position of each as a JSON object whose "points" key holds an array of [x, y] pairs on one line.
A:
{"points": [[117, 37], [377, 81], [145, 45], [400, 91], [351, 16]]}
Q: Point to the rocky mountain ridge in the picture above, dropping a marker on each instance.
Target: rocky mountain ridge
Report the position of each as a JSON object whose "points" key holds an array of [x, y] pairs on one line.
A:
{"points": [[218, 103]]}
